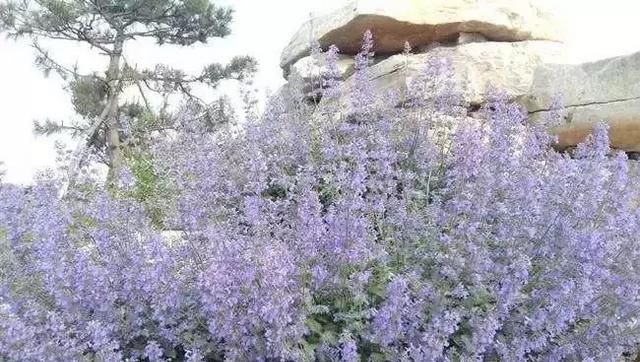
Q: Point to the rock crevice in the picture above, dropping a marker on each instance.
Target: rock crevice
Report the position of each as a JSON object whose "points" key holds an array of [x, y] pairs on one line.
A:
{"points": [[584, 105]]}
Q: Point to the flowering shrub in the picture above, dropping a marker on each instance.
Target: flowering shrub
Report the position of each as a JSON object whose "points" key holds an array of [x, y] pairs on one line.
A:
{"points": [[401, 230]]}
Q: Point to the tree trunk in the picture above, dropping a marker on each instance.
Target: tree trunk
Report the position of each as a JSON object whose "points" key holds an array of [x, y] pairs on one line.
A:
{"points": [[114, 145]]}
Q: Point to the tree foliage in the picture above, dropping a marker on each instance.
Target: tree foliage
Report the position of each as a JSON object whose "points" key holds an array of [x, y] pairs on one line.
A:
{"points": [[106, 26], [338, 235]]}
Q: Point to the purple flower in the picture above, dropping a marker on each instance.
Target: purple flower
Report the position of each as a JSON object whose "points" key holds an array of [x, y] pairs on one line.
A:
{"points": [[348, 349], [153, 352]]}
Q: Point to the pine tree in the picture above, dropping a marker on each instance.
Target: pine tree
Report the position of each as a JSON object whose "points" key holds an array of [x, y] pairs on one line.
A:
{"points": [[106, 26]]}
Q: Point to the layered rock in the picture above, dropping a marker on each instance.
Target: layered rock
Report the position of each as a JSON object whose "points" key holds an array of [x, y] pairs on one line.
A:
{"points": [[506, 45], [607, 90], [310, 71], [419, 22], [623, 134], [476, 68], [605, 81]]}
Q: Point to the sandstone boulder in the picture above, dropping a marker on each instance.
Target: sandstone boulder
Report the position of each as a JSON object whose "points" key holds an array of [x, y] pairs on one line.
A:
{"points": [[308, 68], [474, 69], [607, 90], [420, 23], [605, 81], [310, 71], [623, 134]]}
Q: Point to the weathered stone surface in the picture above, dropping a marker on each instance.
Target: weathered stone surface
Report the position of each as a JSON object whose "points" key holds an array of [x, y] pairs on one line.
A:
{"points": [[610, 80], [623, 134], [420, 22], [309, 71], [476, 67], [308, 68], [607, 90], [499, 44], [466, 38], [622, 117]]}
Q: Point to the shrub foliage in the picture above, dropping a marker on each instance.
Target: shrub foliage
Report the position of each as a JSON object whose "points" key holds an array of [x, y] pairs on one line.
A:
{"points": [[399, 230]]}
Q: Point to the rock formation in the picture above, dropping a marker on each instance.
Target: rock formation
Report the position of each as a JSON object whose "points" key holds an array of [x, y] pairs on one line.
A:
{"points": [[509, 67], [510, 45], [310, 70], [419, 23], [607, 90]]}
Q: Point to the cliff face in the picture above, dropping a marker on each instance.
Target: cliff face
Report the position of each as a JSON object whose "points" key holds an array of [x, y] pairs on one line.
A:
{"points": [[511, 45]]}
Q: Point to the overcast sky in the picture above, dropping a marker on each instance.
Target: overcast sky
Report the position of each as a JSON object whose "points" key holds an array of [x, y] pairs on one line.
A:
{"points": [[594, 29]]}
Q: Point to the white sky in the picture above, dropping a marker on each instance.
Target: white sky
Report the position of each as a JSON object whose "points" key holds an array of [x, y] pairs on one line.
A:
{"points": [[594, 29]]}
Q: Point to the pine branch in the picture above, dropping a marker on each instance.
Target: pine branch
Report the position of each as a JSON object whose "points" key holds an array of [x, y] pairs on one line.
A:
{"points": [[49, 127], [44, 60]]}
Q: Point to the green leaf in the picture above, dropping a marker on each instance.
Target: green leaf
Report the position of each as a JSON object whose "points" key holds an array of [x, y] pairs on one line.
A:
{"points": [[330, 337], [314, 326]]}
